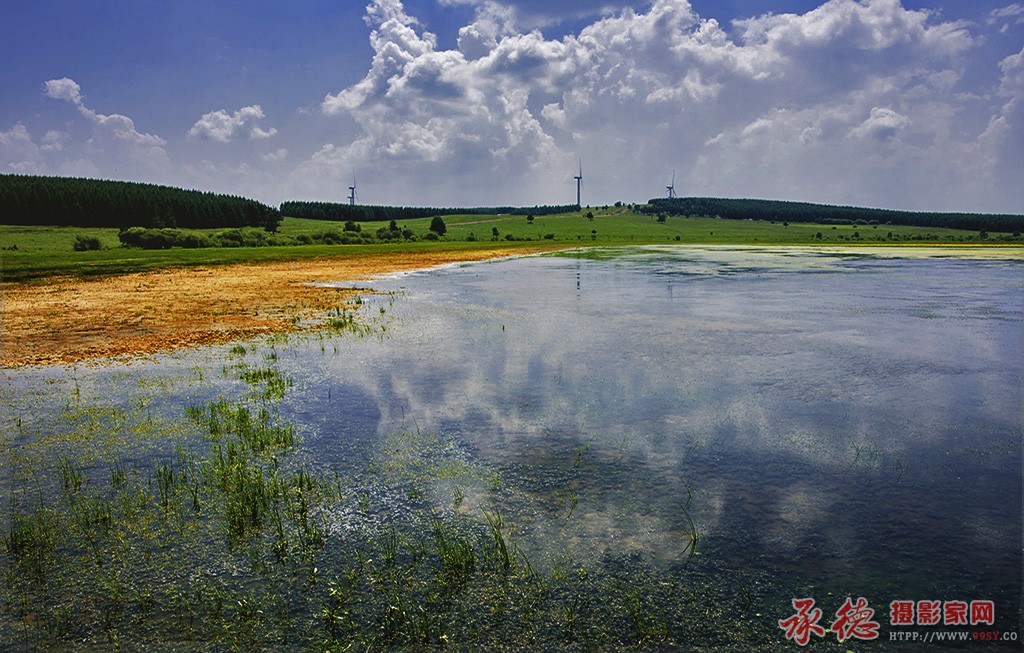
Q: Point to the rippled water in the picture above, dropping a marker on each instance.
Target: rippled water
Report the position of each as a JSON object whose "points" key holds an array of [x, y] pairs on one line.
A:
{"points": [[823, 422], [847, 422]]}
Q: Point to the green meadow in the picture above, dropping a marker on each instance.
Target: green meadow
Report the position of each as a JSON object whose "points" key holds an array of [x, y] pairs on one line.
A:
{"points": [[36, 252]]}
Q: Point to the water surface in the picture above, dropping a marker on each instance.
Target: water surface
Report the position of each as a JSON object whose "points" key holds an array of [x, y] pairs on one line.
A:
{"points": [[791, 422]]}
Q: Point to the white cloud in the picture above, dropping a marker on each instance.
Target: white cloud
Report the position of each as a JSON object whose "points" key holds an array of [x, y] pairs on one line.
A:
{"points": [[18, 152], [1016, 10], [1012, 82], [883, 124], [277, 155], [224, 127], [420, 107], [855, 101], [825, 106], [116, 147], [1004, 135], [1007, 16], [53, 141], [64, 89]]}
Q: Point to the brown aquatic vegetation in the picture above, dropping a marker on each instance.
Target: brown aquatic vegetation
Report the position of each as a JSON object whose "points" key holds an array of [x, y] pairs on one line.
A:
{"points": [[68, 320]]}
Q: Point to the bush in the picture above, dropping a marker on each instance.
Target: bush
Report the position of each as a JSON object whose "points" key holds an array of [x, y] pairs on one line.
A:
{"points": [[195, 240], [86, 243], [150, 238], [431, 236]]}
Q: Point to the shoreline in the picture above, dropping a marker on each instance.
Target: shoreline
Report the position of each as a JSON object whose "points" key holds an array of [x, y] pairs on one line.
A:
{"points": [[69, 320], [72, 320]]}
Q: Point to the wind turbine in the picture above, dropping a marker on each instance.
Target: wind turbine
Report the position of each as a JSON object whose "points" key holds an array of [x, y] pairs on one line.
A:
{"points": [[672, 189], [579, 186], [352, 192]]}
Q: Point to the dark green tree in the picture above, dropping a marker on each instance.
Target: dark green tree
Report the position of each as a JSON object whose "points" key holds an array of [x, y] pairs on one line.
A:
{"points": [[438, 226]]}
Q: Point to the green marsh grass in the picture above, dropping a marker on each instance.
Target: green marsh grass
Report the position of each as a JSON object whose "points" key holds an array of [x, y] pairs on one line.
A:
{"points": [[231, 540], [45, 252]]}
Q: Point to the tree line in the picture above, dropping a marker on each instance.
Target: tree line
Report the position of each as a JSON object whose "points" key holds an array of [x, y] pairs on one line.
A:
{"points": [[368, 213], [780, 211], [35, 200]]}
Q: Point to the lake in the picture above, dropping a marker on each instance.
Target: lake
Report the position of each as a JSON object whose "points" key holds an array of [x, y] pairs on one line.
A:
{"points": [[774, 423]]}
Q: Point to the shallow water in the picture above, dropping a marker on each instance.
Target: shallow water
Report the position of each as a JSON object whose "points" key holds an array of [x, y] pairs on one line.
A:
{"points": [[829, 424], [848, 422]]}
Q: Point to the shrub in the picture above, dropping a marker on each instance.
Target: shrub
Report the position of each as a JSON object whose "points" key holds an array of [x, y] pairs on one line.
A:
{"points": [[149, 238], [86, 243], [195, 240]]}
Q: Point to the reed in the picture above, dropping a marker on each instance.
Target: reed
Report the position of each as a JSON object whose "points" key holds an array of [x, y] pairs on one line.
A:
{"points": [[458, 559]]}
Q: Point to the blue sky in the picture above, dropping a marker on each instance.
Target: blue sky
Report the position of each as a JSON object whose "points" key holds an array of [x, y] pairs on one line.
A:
{"points": [[914, 105]]}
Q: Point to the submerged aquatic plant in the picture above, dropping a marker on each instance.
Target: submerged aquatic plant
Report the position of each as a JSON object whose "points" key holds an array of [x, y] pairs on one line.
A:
{"points": [[234, 542]]}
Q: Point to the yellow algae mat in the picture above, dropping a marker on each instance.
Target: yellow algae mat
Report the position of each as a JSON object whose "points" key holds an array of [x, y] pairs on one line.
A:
{"points": [[68, 320]]}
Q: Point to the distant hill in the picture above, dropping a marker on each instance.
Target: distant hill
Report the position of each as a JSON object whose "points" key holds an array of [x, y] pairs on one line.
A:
{"points": [[366, 213], [779, 211], [32, 200]]}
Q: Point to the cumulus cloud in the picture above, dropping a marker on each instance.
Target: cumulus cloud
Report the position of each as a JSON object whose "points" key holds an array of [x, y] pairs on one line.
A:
{"points": [[53, 141], [18, 152], [835, 104], [1005, 132], [64, 89], [883, 124], [419, 106], [115, 142], [224, 127]]}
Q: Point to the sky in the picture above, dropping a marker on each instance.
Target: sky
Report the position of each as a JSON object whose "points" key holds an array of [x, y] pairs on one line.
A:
{"points": [[908, 105]]}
